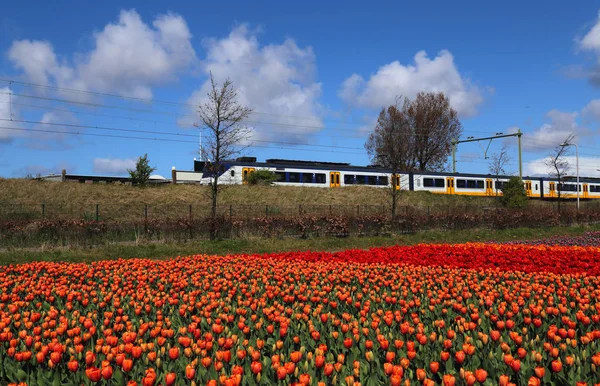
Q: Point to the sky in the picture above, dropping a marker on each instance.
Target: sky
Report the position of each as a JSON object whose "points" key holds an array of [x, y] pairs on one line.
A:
{"points": [[90, 89]]}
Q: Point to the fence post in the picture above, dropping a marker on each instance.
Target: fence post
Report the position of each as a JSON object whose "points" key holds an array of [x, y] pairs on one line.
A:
{"points": [[97, 212], [43, 210], [145, 219], [300, 209], [230, 212], [191, 223], [266, 210], [358, 210], [427, 210]]}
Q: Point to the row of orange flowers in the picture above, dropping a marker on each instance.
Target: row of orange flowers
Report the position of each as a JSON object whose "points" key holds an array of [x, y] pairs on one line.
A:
{"points": [[402, 315]]}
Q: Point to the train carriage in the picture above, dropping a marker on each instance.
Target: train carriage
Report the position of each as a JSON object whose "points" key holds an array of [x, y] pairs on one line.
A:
{"points": [[336, 175]]}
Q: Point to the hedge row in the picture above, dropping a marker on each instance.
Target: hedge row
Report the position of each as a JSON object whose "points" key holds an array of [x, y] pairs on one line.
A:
{"points": [[82, 232]]}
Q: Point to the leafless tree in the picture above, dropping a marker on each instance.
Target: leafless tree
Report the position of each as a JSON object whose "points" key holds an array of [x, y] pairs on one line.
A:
{"points": [[498, 163], [435, 124], [558, 165], [226, 136], [390, 146]]}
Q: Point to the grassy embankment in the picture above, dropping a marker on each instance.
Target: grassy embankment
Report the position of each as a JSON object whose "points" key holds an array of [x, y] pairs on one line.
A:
{"points": [[24, 198]]}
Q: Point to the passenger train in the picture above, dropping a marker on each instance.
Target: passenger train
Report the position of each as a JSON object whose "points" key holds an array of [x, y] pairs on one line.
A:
{"points": [[337, 175]]}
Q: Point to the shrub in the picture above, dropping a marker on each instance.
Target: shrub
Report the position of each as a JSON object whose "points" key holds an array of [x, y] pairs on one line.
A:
{"points": [[262, 177], [141, 174], [513, 194]]}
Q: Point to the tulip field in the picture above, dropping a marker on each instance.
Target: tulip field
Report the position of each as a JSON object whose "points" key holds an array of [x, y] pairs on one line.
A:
{"points": [[469, 314]]}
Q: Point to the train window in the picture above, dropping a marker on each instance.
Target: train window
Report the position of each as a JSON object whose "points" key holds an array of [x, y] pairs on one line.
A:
{"points": [[307, 178], [567, 187], [294, 177], [320, 178], [372, 180], [595, 188], [536, 186], [348, 179], [232, 173], [434, 182], [461, 183], [475, 184], [361, 179], [383, 180], [280, 176], [500, 185]]}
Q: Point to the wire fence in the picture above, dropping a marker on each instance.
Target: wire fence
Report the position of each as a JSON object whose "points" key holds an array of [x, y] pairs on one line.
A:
{"points": [[71, 225], [148, 212]]}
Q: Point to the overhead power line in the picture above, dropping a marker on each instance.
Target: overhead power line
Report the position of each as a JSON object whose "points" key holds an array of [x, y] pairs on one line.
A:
{"points": [[153, 139], [167, 133], [183, 104]]}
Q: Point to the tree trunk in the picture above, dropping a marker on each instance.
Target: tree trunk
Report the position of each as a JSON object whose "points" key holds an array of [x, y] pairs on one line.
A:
{"points": [[213, 222], [393, 205]]}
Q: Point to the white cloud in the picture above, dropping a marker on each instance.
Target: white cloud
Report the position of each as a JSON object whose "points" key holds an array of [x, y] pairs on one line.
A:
{"points": [[592, 110], [129, 57], [591, 41], [113, 165], [8, 111], [57, 122], [551, 134], [588, 166], [429, 75], [276, 80]]}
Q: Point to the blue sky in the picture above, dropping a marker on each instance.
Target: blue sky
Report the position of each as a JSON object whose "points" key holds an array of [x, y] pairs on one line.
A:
{"points": [[316, 75]]}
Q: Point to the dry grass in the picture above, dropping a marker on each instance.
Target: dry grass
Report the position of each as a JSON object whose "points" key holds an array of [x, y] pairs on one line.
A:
{"points": [[74, 200]]}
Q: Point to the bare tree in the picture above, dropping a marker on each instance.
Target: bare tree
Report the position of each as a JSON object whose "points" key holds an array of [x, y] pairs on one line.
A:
{"points": [[435, 124], [498, 163], [222, 116], [390, 146], [558, 165]]}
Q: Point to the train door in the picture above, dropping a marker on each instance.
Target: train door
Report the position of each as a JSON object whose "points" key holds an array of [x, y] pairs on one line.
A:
{"points": [[586, 193], [396, 181], [528, 189], [489, 190], [449, 185], [334, 179], [552, 189], [246, 173]]}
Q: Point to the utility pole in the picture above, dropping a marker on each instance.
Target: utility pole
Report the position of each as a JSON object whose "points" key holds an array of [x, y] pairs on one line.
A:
{"points": [[518, 134], [454, 142]]}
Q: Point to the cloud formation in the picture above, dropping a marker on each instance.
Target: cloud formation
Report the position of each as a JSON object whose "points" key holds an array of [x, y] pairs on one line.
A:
{"points": [[425, 74], [129, 57], [592, 110], [113, 166], [588, 166], [7, 111], [590, 43], [276, 80], [561, 124]]}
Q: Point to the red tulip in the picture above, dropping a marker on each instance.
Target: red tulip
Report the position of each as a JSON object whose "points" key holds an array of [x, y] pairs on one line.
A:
{"points": [[93, 373], [170, 379]]}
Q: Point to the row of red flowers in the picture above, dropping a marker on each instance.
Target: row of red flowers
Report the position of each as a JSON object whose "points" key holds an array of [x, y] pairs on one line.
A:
{"points": [[452, 315]]}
